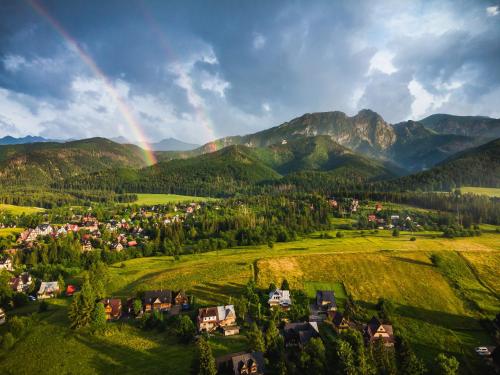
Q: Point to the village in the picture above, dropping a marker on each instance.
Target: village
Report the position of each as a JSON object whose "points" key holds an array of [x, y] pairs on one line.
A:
{"points": [[300, 321]]}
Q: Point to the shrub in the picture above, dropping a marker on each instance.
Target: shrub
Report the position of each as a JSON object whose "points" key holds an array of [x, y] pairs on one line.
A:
{"points": [[339, 235], [413, 238], [8, 341], [44, 306]]}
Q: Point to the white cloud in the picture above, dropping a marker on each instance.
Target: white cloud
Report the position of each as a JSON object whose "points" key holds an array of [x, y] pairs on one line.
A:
{"points": [[13, 63], [424, 102], [492, 10], [259, 41], [266, 107], [215, 84], [382, 61]]}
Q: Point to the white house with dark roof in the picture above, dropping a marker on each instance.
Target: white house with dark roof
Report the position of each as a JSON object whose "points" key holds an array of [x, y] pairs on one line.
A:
{"points": [[279, 297]]}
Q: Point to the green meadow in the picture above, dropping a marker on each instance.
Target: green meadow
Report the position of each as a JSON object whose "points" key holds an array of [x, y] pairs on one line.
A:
{"points": [[490, 192], [18, 210], [152, 199], [441, 288]]}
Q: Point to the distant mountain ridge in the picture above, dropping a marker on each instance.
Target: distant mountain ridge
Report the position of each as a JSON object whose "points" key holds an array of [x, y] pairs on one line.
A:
{"points": [[472, 126], [9, 140], [167, 144]]}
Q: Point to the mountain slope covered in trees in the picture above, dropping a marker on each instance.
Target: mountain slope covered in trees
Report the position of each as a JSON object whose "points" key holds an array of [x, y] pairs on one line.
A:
{"points": [[45, 163]]}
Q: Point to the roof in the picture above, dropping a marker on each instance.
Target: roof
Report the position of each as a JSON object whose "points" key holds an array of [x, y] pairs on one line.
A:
{"points": [[302, 332], [326, 295], [284, 296], [165, 296], [207, 311], [337, 318], [224, 311], [248, 359], [48, 287]]}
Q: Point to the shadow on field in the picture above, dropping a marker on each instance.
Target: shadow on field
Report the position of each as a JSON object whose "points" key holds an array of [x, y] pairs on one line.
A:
{"points": [[444, 319], [216, 292], [117, 358], [126, 291], [413, 261]]}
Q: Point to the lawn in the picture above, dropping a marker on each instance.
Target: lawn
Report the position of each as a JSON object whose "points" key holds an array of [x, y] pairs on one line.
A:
{"points": [[438, 307], [18, 210], [152, 199], [490, 192]]}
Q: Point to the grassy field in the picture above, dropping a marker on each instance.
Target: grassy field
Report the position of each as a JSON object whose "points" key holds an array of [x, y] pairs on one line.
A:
{"points": [[152, 199], [5, 232], [18, 210], [438, 302], [491, 192]]}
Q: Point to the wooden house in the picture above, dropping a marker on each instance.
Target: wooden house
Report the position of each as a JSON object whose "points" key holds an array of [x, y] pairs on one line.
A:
{"points": [[157, 300], [180, 298], [299, 334], [375, 330], [211, 318], [6, 264], [241, 364], [113, 308], [3, 316], [21, 283], [339, 321], [325, 301], [116, 246]]}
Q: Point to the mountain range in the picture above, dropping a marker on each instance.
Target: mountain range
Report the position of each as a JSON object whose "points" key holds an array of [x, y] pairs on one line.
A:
{"points": [[317, 148]]}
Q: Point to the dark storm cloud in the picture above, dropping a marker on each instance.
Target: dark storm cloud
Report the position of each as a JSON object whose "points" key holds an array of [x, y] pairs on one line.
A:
{"points": [[200, 69]]}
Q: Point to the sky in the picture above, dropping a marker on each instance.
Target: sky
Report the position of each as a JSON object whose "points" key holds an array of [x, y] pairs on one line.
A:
{"points": [[201, 70]]}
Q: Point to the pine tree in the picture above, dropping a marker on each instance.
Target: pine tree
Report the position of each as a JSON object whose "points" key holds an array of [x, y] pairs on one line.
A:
{"points": [[99, 317], [81, 309], [255, 339], [206, 360], [272, 334], [446, 365]]}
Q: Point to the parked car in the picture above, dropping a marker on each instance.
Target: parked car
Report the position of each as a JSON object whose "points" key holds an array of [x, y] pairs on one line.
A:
{"points": [[482, 350]]}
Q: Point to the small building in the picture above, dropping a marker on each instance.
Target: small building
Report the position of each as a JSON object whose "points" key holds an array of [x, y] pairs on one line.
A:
{"points": [[48, 289], [157, 300], [116, 246], [325, 301], [180, 298], [86, 246], [299, 334], [231, 330], [21, 283], [132, 243], [6, 264], [280, 298], [375, 330], [3, 316], [43, 230], [113, 307]]}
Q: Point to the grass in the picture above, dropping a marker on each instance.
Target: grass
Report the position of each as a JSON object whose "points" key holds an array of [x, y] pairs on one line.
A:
{"points": [[152, 199], [5, 232], [18, 210], [490, 192], [438, 306], [310, 288]]}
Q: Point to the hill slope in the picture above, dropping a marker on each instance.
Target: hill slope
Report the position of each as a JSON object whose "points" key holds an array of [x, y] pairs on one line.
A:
{"points": [[45, 163], [479, 166], [473, 126]]}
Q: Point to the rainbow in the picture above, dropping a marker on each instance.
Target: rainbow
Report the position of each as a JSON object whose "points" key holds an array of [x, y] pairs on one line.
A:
{"points": [[127, 113], [200, 114]]}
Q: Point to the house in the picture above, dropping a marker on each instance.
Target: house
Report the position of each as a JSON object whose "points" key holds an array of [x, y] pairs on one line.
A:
{"points": [[6, 264], [372, 218], [86, 246], [211, 318], [280, 298], [339, 321], [378, 207], [21, 283], [28, 235], [132, 243], [181, 298], [113, 308], [375, 330], [116, 246], [249, 363], [299, 334], [48, 289], [159, 300], [3, 317], [241, 364], [325, 301], [43, 230], [70, 290]]}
